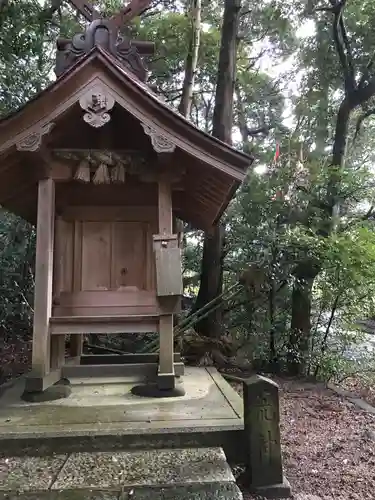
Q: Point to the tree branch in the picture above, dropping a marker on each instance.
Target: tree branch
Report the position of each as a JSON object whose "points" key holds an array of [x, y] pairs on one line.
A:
{"points": [[369, 213], [342, 44], [48, 12], [262, 129], [365, 93], [246, 12], [365, 77], [348, 48], [360, 121]]}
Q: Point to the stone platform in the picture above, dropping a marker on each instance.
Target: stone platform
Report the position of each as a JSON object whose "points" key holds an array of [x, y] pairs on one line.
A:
{"points": [[102, 415], [179, 474]]}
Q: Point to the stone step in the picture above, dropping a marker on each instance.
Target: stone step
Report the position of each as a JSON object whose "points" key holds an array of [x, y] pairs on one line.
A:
{"points": [[215, 491], [174, 474]]}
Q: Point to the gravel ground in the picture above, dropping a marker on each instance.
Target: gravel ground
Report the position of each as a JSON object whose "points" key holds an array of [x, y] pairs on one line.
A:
{"points": [[328, 444]]}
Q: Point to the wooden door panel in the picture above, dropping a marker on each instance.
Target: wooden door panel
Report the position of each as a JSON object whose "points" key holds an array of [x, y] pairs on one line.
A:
{"points": [[96, 256], [96, 253], [63, 257], [67, 255], [129, 258]]}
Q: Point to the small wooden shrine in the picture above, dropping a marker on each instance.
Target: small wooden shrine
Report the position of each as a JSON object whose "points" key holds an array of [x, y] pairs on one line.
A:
{"points": [[103, 167]]}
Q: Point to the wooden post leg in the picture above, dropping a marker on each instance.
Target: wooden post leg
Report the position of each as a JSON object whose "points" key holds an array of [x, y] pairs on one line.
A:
{"points": [[166, 375], [57, 351], [76, 347], [41, 362], [58, 341]]}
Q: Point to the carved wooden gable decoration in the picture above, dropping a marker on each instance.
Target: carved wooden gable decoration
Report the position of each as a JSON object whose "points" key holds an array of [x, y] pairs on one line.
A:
{"points": [[97, 103]]}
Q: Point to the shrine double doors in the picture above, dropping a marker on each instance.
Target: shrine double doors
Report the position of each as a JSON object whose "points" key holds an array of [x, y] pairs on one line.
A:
{"points": [[104, 263]]}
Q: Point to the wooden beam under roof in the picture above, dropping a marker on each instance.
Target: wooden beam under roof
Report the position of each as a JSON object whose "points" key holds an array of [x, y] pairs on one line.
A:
{"points": [[130, 11], [125, 14], [86, 9]]}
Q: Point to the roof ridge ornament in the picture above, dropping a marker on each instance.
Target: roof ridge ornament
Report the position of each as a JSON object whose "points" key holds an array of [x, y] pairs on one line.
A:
{"points": [[104, 33]]}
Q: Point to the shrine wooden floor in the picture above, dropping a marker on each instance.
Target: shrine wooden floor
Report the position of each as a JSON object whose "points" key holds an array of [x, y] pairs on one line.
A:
{"points": [[103, 414]]}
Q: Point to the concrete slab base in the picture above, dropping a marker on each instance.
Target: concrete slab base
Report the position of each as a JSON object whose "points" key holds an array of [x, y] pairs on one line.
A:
{"points": [[274, 491], [230, 440], [215, 491], [102, 414]]}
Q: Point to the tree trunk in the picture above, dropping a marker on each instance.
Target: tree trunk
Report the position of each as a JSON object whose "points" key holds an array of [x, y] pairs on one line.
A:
{"points": [[300, 328], [299, 337], [323, 87], [338, 158], [272, 355], [191, 60], [222, 121], [241, 122], [359, 89], [341, 134], [299, 341], [211, 279]]}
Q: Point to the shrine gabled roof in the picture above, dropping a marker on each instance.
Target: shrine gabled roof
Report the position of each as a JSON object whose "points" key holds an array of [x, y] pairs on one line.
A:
{"points": [[30, 123]]}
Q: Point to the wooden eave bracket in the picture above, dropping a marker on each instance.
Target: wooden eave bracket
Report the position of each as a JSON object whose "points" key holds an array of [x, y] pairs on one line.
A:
{"points": [[160, 143], [33, 141]]}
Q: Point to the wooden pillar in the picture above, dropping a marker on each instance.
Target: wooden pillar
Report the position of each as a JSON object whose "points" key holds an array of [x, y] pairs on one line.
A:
{"points": [[76, 340], [165, 205], [166, 375], [178, 228], [58, 341], [43, 281], [76, 347], [57, 351]]}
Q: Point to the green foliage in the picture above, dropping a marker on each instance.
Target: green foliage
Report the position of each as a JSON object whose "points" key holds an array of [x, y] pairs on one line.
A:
{"points": [[17, 242], [24, 63], [278, 221]]}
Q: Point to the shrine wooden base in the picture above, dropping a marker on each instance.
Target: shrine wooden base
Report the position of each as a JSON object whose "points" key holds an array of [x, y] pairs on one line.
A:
{"points": [[109, 359], [139, 366]]}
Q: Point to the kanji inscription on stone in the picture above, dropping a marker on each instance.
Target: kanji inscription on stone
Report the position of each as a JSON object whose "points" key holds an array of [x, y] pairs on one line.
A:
{"points": [[262, 418]]}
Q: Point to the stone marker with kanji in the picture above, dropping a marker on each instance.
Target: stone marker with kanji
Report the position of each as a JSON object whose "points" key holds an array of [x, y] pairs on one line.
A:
{"points": [[262, 430]]}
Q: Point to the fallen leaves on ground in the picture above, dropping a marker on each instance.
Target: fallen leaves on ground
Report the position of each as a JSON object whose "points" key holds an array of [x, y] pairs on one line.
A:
{"points": [[328, 443], [15, 359], [361, 385]]}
